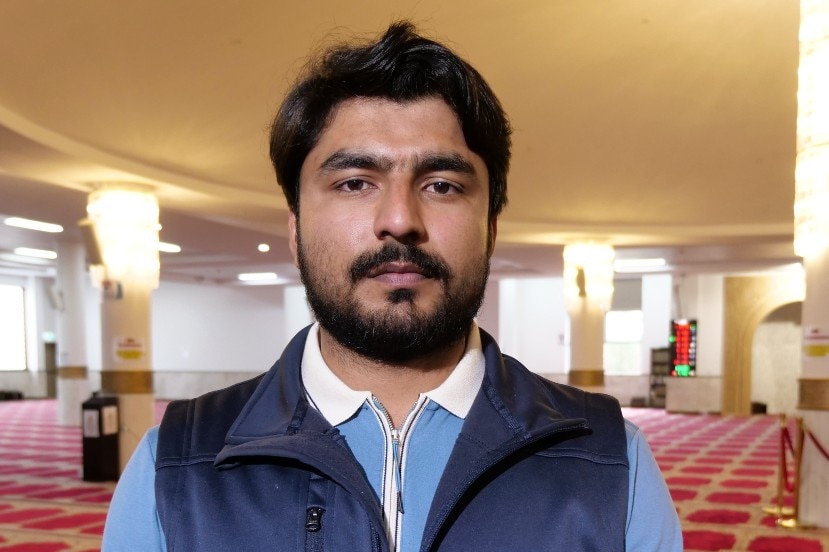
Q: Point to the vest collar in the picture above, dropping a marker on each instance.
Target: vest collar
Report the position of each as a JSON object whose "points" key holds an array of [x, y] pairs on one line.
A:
{"points": [[508, 404]]}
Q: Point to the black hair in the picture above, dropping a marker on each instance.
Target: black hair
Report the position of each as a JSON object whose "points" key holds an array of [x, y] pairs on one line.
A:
{"points": [[401, 66]]}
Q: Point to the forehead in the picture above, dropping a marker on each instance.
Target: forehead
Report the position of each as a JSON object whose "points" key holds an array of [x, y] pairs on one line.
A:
{"points": [[365, 106], [394, 127]]}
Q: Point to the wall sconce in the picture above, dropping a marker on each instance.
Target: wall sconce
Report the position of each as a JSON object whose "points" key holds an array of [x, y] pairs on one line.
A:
{"points": [[811, 207], [122, 236], [588, 274]]}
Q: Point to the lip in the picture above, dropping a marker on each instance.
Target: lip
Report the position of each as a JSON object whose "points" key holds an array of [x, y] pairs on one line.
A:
{"points": [[395, 268], [398, 273]]}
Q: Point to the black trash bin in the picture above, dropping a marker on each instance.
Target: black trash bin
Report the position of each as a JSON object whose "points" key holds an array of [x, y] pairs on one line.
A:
{"points": [[100, 438]]}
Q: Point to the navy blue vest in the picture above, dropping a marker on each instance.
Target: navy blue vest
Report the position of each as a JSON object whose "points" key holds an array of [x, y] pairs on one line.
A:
{"points": [[537, 466]]}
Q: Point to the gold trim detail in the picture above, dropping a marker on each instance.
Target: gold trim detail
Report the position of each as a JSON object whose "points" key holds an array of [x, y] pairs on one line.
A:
{"points": [[585, 378], [813, 394], [72, 372], [118, 382]]}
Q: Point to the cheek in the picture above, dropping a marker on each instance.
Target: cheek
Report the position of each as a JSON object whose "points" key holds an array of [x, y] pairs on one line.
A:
{"points": [[334, 235], [460, 236]]}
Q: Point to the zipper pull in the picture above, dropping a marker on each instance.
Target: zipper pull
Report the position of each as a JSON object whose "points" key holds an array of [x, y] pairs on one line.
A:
{"points": [[395, 443], [313, 519]]}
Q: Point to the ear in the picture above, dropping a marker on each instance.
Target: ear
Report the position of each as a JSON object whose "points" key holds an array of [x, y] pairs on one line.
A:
{"points": [[493, 231], [292, 237]]}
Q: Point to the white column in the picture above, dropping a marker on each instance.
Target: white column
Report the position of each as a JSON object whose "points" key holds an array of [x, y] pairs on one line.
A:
{"points": [[297, 314], [657, 291], [124, 223], [586, 345], [588, 291], [813, 400], [126, 365], [811, 242], [72, 382]]}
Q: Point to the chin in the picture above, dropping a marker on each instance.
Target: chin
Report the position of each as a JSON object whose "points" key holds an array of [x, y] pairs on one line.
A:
{"points": [[403, 295]]}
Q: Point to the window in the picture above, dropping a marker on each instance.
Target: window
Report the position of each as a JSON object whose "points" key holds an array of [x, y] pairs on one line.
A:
{"points": [[12, 328], [623, 343]]}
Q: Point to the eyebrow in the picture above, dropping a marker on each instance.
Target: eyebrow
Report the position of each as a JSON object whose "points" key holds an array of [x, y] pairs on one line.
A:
{"points": [[343, 159], [422, 163], [443, 162]]}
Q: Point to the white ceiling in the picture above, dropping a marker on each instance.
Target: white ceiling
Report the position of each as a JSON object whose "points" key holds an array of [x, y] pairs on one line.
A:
{"points": [[666, 127]]}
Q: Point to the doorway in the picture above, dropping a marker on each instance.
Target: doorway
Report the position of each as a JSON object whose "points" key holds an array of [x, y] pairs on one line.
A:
{"points": [[775, 365]]}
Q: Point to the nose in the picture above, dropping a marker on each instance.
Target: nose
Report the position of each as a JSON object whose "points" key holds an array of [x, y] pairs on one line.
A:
{"points": [[399, 215]]}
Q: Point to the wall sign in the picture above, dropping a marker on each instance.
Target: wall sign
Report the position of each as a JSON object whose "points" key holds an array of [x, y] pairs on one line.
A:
{"points": [[129, 348]]}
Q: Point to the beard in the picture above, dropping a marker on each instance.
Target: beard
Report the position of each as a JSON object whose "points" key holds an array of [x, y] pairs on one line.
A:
{"points": [[400, 331]]}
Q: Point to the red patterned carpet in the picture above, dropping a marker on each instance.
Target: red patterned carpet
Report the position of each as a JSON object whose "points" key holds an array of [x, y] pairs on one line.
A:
{"points": [[45, 506], [721, 471]]}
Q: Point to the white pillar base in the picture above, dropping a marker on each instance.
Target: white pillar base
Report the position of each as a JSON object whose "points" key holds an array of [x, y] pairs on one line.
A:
{"points": [[814, 488], [136, 414], [72, 392]]}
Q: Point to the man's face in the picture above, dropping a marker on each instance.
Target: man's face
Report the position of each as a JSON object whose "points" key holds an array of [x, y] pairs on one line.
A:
{"points": [[393, 236]]}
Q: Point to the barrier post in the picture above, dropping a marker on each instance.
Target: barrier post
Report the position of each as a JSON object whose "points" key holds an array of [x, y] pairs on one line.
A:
{"points": [[778, 510]]}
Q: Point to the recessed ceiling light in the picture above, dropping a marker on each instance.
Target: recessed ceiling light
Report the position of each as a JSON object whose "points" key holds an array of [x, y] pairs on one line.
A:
{"points": [[637, 265], [39, 253], [165, 247], [29, 224], [264, 248], [257, 276]]}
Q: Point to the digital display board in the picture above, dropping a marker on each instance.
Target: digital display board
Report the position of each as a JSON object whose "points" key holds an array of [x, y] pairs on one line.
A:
{"points": [[683, 347]]}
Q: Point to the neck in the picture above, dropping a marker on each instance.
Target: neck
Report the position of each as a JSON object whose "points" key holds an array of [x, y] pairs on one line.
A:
{"points": [[396, 386]]}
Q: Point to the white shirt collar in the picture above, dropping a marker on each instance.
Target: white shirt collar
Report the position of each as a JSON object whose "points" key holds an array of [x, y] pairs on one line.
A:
{"points": [[337, 402]]}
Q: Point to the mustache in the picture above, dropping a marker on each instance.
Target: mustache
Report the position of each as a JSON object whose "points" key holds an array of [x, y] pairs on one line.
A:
{"points": [[430, 265]]}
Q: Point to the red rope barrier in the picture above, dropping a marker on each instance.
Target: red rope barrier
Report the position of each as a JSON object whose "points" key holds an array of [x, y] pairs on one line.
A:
{"points": [[817, 444], [789, 486], [787, 439], [787, 444]]}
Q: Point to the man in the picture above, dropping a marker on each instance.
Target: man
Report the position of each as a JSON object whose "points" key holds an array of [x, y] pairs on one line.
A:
{"points": [[393, 423]]}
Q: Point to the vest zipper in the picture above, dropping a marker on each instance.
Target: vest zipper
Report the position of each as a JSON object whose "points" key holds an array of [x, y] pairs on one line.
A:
{"points": [[313, 519], [313, 529]]}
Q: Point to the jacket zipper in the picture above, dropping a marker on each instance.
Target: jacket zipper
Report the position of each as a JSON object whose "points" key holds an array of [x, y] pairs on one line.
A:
{"points": [[398, 442], [395, 446]]}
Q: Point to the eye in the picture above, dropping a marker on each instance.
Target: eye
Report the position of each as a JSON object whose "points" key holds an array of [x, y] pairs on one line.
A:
{"points": [[441, 187], [353, 185]]}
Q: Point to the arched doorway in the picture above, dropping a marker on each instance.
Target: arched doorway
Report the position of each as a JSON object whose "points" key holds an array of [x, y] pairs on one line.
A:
{"points": [[748, 301], [775, 360]]}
